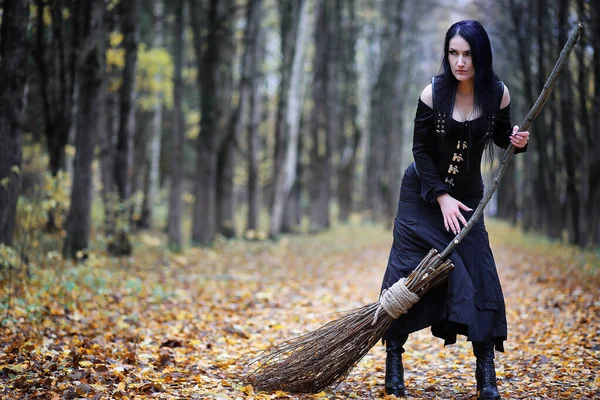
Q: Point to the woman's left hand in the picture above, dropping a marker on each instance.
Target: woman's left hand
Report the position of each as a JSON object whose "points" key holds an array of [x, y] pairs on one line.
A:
{"points": [[519, 139]]}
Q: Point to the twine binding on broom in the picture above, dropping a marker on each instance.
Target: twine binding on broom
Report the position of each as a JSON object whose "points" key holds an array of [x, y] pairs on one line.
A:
{"points": [[396, 300]]}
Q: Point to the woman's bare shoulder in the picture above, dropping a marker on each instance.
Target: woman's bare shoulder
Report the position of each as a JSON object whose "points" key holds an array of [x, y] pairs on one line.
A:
{"points": [[427, 96], [505, 98]]}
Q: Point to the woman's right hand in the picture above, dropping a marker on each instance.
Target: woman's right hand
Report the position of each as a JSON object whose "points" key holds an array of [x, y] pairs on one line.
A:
{"points": [[451, 211]]}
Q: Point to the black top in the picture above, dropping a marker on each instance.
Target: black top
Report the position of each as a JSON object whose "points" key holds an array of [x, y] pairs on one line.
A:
{"points": [[450, 162]]}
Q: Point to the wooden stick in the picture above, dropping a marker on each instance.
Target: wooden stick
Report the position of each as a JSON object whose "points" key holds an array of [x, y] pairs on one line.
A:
{"points": [[535, 110]]}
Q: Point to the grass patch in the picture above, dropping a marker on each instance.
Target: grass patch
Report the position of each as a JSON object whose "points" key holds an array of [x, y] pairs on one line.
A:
{"points": [[568, 258]]}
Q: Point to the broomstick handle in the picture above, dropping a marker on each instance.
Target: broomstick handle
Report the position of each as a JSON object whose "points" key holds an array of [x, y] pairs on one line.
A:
{"points": [[535, 110]]}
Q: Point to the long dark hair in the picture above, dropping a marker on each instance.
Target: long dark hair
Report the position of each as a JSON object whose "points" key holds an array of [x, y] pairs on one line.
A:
{"points": [[481, 53]]}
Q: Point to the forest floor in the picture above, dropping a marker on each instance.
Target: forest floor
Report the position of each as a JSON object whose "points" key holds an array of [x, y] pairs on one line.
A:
{"points": [[165, 326]]}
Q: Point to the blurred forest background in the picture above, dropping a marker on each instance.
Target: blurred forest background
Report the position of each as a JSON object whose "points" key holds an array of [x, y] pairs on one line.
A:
{"points": [[138, 136], [253, 118]]}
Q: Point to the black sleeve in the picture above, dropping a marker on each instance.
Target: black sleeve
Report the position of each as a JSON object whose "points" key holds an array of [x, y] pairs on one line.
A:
{"points": [[425, 147], [503, 130]]}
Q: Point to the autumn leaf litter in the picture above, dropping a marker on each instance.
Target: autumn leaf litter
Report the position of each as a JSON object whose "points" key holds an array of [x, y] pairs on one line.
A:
{"points": [[160, 325]]}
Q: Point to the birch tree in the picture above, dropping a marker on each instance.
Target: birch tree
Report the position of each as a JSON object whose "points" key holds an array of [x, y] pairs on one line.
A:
{"points": [[285, 176]]}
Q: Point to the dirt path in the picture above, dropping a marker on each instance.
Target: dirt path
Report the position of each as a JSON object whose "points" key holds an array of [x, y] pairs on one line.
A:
{"points": [[176, 327], [553, 349]]}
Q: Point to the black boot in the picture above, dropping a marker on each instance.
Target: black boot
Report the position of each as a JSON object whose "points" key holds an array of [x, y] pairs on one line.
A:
{"points": [[394, 371], [485, 373]]}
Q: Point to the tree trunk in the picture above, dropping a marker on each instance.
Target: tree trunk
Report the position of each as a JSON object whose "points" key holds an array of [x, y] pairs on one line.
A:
{"points": [[568, 130], [214, 82], [346, 176], [225, 174], [239, 121], [128, 95], [583, 78], [293, 211], [320, 154], [205, 190], [56, 79], [553, 161], [226, 150], [542, 202], [374, 147], [13, 81], [256, 112], [288, 27], [107, 145], [284, 177], [384, 119], [595, 164], [204, 216], [153, 162], [174, 229], [507, 198], [56, 59], [557, 220], [91, 75], [120, 244], [349, 146]]}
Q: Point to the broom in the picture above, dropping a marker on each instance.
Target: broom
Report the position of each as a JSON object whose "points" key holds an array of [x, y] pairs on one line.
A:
{"points": [[311, 362]]}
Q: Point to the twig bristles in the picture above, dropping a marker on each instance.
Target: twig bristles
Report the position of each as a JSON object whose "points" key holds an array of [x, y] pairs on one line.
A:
{"points": [[322, 358]]}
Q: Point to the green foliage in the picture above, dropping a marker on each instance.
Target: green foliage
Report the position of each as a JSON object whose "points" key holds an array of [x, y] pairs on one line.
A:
{"points": [[192, 118], [9, 257], [115, 56], [4, 182], [115, 61], [50, 200], [112, 4], [47, 16], [154, 78], [43, 204]]}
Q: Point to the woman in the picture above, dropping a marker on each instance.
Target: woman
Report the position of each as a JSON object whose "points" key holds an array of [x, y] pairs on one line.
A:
{"points": [[458, 115]]}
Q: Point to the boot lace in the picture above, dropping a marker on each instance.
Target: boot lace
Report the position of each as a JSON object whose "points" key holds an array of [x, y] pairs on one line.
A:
{"points": [[489, 374]]}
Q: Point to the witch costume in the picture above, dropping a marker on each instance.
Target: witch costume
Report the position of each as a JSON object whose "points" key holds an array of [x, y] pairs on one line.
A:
{"points": [[447, 158]]}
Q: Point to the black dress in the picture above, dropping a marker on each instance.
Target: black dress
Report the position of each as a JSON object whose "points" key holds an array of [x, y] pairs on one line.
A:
{"points": [[447, 156]]}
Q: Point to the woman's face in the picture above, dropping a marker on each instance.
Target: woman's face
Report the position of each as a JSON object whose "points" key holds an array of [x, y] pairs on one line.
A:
{"points": [[459, 57]]}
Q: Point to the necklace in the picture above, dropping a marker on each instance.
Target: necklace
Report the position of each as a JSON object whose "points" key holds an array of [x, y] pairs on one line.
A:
{"points": [[463, 117]]}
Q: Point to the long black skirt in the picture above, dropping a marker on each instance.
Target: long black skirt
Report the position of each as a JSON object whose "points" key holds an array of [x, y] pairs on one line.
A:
{"points": [[471, 303]]}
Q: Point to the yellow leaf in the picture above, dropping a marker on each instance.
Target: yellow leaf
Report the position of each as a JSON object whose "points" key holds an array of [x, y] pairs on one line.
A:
{"points": [[97, 386], [115, 39], [248, 389]]}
